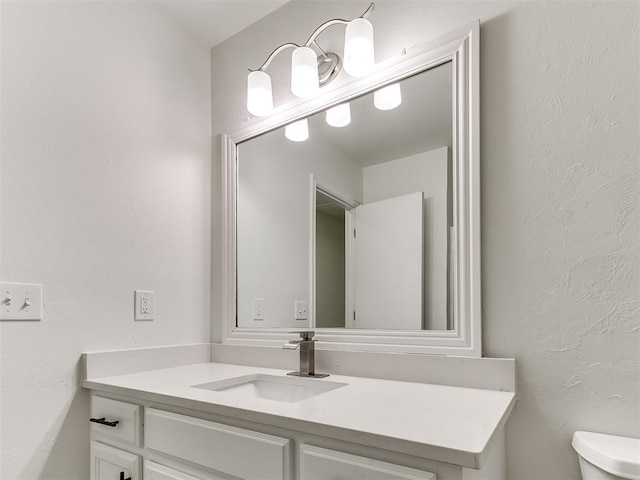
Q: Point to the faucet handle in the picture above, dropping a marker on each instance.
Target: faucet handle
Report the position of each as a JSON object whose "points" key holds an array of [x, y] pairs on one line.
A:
{"points": [[305, 334]]}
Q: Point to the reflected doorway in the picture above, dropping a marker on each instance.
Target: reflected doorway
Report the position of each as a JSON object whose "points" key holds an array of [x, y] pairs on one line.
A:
{"points": [[330, 263], [333, 258]]}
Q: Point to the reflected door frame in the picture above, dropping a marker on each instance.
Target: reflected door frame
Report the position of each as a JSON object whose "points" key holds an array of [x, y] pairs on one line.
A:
{"points": [[348, 203]]}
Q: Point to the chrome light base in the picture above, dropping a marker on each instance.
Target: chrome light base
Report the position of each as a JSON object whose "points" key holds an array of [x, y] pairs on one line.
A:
{"points": [[329, 66]]}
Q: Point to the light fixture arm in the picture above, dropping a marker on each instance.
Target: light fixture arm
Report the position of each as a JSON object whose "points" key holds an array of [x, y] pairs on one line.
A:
{"points": [[312, 38], [320, 50]]}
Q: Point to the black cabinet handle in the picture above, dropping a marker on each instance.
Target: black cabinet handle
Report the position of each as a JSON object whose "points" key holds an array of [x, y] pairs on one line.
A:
{"points": [[122, 476], [102, 421]]}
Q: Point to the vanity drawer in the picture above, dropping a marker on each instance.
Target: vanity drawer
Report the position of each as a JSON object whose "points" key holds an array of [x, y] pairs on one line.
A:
{"points": [[126, 414], [228, 450], [322, 464], [155, 471]]}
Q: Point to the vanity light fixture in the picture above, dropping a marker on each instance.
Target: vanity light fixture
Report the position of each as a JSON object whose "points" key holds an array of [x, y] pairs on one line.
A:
{"points": [[304, 73], [358, 48], [339, 116], [311, 70], [259, 96], [297, 131], [388, 98]]}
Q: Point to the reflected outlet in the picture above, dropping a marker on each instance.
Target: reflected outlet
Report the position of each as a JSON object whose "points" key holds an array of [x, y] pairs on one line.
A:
{"points": [[301, 310], [143, 305], [258, 309]]}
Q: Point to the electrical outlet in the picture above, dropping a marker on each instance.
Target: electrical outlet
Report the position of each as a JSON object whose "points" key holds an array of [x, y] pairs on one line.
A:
{"points": [[143, 305], [20, 301], [301, 310], [258, 309]]}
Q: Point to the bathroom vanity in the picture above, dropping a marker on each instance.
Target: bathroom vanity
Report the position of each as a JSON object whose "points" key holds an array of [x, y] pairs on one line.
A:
{"points": [[407, 413], [217, 420]]}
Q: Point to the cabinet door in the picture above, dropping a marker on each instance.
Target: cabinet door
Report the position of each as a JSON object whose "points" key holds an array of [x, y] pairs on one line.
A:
{"points": [[154, 471], [322, 464], [108, 463]]}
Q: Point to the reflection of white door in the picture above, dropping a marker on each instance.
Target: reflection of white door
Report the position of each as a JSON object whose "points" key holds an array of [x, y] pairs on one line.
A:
{"points": [[389, 263]]}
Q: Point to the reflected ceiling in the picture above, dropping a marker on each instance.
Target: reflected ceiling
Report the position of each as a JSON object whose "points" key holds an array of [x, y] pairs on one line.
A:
{"points": [[422, 122]]}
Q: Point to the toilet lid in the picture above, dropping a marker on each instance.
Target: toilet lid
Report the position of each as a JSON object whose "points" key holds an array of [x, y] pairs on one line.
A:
{"points": [[616, 455]]}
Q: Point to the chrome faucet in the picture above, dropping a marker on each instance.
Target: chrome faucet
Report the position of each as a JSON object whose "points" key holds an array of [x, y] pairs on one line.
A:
{"points": [[307, 355]]}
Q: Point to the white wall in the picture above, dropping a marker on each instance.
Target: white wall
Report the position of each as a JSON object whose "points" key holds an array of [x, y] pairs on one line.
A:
{"points": [[273, 216], [425, 172], [105, 189], [560, 214]]}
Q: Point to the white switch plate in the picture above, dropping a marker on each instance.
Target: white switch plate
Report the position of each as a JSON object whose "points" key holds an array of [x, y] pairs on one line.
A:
{"points": [[258, 309], [20, 301], [143, 305], [301, 310]]}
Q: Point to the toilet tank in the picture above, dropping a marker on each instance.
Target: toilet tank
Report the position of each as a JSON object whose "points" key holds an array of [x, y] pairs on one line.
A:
{"points": [[605, 457]]}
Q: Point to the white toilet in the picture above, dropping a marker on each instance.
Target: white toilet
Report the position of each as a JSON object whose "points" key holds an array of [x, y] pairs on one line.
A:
{"points": [[607, 457]]}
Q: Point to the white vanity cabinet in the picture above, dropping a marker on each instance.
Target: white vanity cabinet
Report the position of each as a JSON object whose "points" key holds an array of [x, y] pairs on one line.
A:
{"points": [[140, 440], [178, 447]]}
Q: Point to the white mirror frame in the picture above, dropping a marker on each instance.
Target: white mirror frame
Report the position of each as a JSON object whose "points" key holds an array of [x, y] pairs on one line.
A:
{"points": [[461, 47]]}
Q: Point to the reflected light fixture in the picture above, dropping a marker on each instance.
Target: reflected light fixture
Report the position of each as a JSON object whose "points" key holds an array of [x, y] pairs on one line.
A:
{"points": [[339, 116], [312, 67], [388, 98], [297, 131]]}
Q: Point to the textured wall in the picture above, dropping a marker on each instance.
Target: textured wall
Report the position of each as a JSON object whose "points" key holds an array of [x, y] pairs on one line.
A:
{"points": [[561, 223], [560, 215], [105, 189]]}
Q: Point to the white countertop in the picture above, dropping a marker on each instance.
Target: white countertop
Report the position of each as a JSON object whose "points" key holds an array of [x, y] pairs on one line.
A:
{"points": [[448, 424]]}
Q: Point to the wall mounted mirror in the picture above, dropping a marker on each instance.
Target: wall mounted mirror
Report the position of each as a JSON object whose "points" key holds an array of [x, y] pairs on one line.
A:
{"points": [[366, 232]]}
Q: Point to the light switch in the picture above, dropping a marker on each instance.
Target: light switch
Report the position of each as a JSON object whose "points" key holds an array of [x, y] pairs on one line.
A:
{"points": [[144, 308], [20, 301]]}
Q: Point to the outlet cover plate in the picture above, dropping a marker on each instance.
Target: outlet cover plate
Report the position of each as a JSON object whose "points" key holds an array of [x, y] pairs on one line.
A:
{"points": [[301, 310], [258, 309], [20, 301], [144, 303]]}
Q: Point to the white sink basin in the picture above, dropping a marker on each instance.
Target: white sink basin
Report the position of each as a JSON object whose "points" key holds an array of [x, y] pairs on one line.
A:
{"points": [[272, 387]]}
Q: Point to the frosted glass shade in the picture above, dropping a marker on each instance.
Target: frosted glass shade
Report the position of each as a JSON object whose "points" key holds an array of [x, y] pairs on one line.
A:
{"points": [[388, 98], [297, 131], [304, 73], [358, 48], [339, 116], [259, 96]]}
